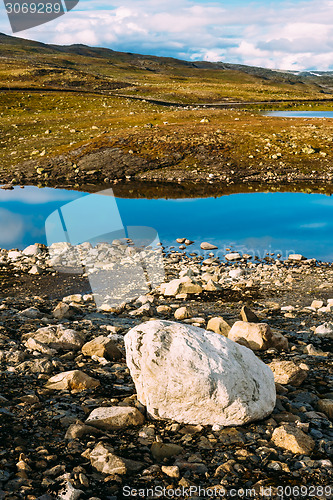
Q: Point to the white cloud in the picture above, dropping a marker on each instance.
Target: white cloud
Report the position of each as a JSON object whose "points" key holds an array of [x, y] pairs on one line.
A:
{"points": [[281, 35]]}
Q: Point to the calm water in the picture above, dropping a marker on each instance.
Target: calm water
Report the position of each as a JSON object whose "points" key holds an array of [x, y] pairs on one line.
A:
{"points": [[302, 114], [255, 223]]}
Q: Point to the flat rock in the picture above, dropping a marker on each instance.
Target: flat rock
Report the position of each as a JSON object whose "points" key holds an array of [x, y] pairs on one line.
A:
{"points": [[115, 417], [193, 376], [233, 256], [74, 380], [287, 372], [256, 336], [296, 256], [207, 246], [291, 438]]}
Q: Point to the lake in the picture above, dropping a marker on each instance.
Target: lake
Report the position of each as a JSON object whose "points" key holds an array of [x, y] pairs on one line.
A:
{"points": [[254, 223], [301, 114]]}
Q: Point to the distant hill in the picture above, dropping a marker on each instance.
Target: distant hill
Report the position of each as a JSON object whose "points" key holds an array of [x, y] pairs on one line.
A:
{"points": [[30, 64]]}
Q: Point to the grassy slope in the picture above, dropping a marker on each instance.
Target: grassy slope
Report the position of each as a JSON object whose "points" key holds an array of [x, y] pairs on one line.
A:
{"points": [[35, 125]]}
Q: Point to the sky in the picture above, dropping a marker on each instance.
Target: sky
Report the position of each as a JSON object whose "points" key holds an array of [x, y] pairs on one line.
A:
{"points": [[278, 34]]}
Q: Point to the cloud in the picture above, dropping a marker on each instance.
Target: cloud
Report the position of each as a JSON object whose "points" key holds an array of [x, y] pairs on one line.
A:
{"points": [[11, 227], [34, 196], [281, 35]]}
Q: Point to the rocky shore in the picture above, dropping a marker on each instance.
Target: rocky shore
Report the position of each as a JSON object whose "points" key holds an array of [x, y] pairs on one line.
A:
{"points": [[75, 421]]}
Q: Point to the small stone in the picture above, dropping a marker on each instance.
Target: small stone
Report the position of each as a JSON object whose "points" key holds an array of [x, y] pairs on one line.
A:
{"points": [[36, 270], [326, 406], [325, 330], [207, 246], [317, 304], [171, 471], [247, 315], [287, 372], [32, 250], [296, 256], [68, 492], [256, 336], [219, 325], [115, 417], [236, 273], [182, 313], [291, 438], [165, 450], [103, 459], [102, 347], [64, 311], [233, 256], [74, 381]]}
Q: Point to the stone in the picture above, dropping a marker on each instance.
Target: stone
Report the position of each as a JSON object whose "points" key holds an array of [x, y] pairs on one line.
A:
{"points": [[247, 315], [68, 492], [104, 460], [233, 256], [165, 450], [256, 336], [296, 256], [102, 347], [287, 372], [31, 312], [219, 325], [207, 246], [317, 304], [32, 250], [14, 255], [35, 345], [325, 330], [180, 286], [171, 471], [74, 380], [182, 313], [189, 375], [76, 297], [291, 438], [59, 337], [64, 311], [326, 406], [115, 417], [236, 273], [76, 431], [36, 270]]}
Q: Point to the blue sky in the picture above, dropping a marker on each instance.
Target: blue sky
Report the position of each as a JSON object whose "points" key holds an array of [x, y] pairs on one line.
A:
{"points": [[277, 34]]}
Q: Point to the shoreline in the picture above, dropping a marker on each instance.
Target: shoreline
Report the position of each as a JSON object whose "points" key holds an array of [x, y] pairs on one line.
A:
{"points": [[294, 298]]}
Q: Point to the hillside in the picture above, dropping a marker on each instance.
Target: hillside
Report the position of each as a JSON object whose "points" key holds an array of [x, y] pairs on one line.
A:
{"points": [[29, 64]]}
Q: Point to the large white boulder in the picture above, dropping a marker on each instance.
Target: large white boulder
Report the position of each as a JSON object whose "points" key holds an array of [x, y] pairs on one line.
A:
{"points": [[193, 376]]}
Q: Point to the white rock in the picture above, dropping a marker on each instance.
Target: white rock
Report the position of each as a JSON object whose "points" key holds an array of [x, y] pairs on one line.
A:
{"points": [[236, 273], [325, 330], [14, 255], [296, 256], [69, 492], [189, 375], [115, 417], [233, 256], [32, 250], [180, 286]]}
